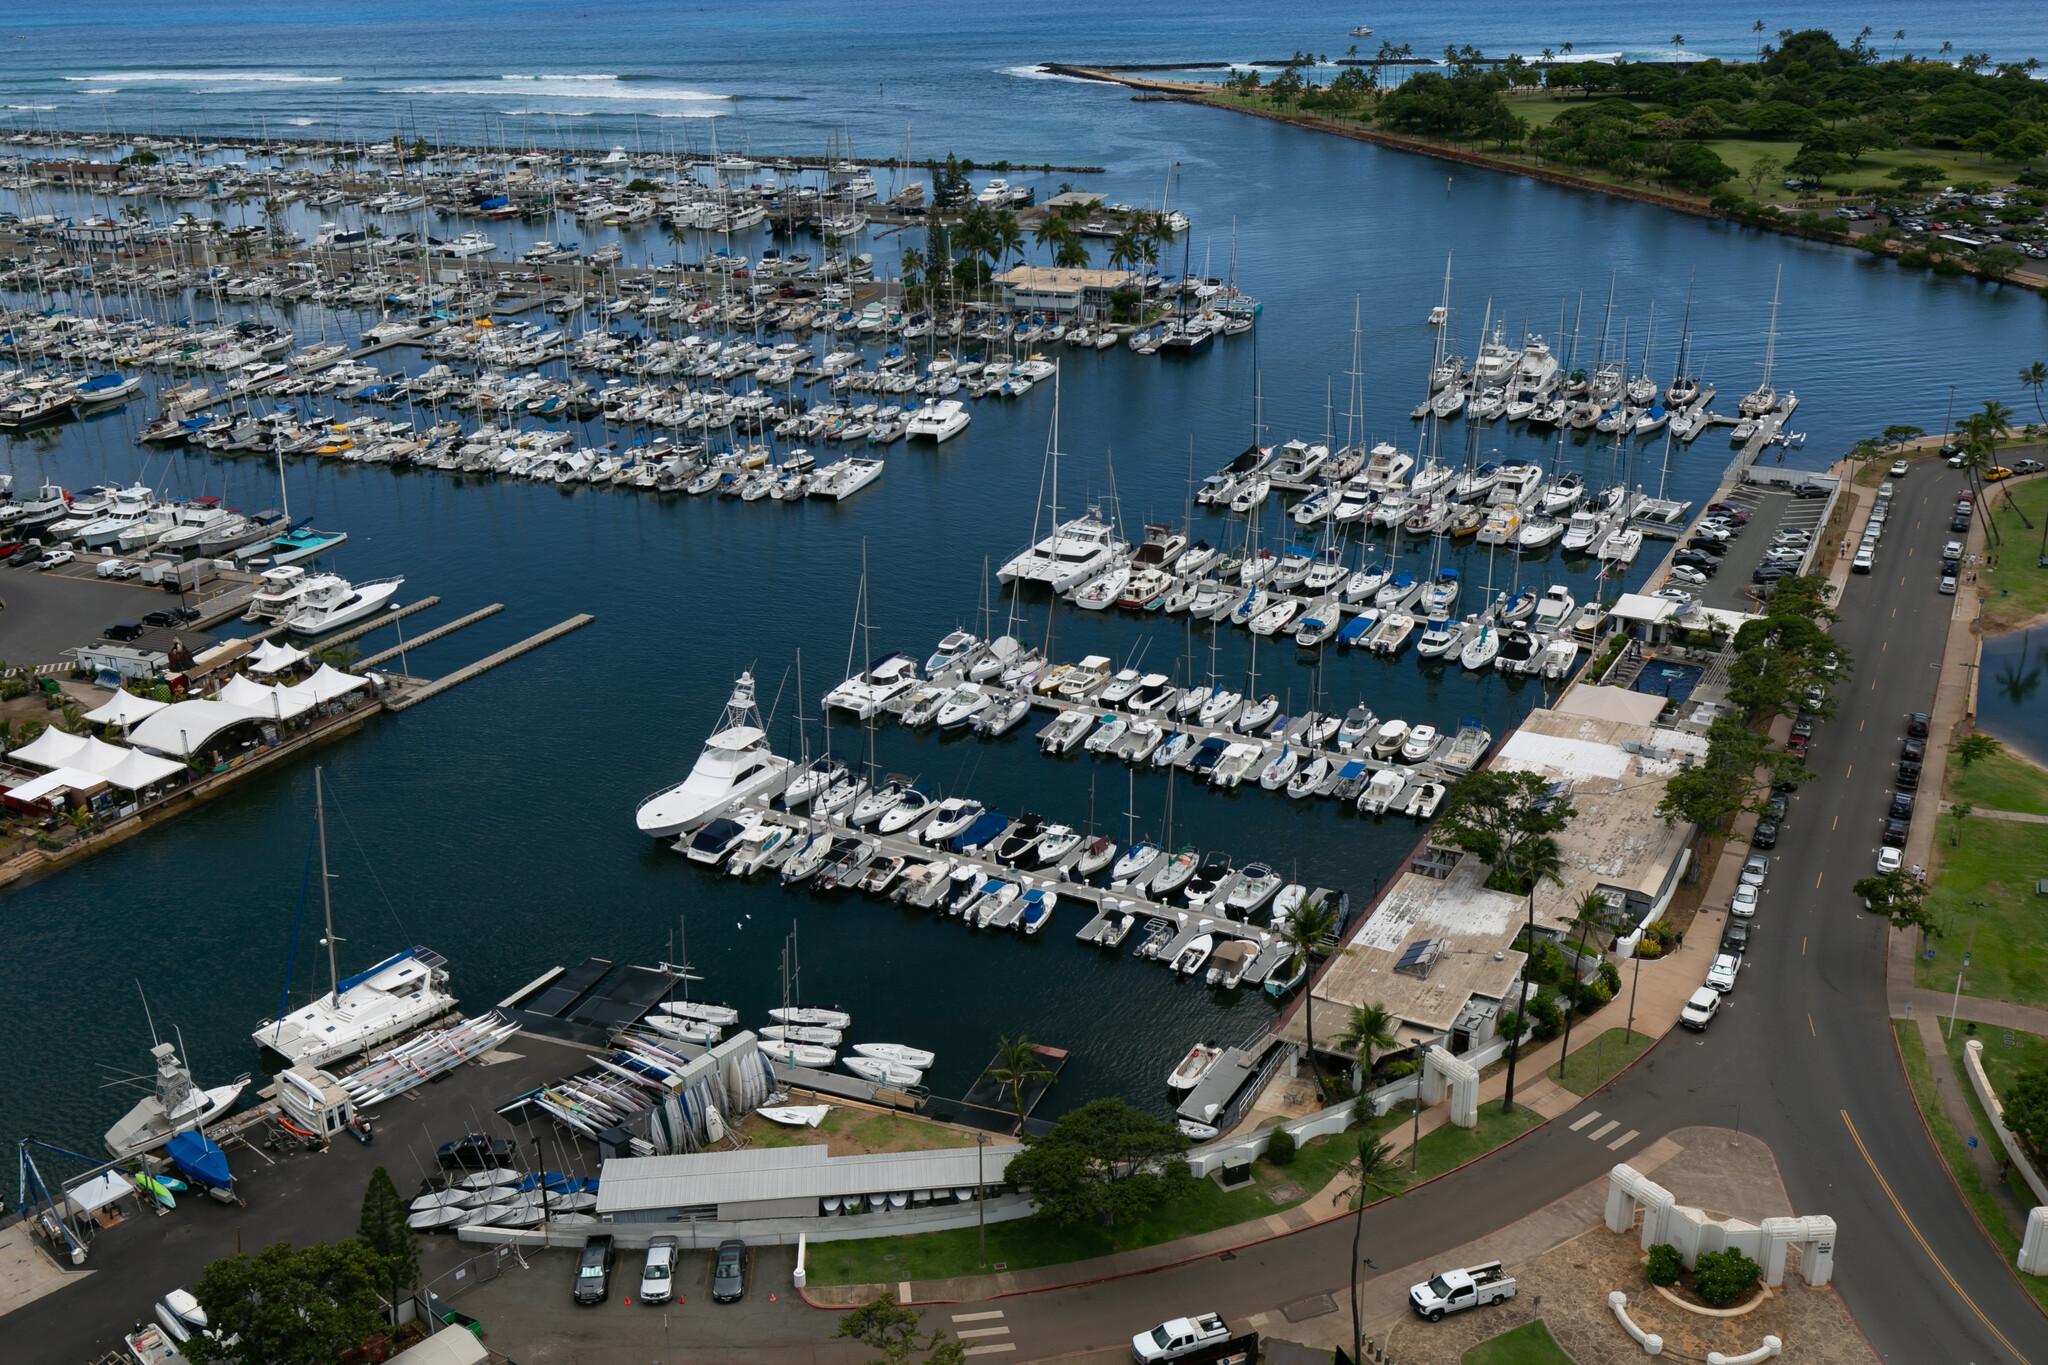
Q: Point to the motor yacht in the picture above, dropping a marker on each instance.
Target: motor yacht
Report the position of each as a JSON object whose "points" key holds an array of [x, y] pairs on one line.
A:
{"points": [[735, 765], [330, 602]]}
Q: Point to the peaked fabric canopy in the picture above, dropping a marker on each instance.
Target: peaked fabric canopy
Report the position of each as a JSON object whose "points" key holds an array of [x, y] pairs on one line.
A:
{"points": [[51, 749], [271, 657], [125, 708], [329, 683], [278, 703]]}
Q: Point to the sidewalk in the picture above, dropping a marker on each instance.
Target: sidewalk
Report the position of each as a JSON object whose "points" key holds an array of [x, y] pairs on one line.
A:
{"points": [[1661, 992]]}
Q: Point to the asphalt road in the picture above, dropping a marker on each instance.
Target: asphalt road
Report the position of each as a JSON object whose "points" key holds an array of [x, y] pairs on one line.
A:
{"points": [[1802, 1057]]}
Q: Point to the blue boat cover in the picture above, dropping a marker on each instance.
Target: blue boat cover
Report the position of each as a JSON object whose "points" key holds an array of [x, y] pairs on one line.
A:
{"points": [[201, 1161]]}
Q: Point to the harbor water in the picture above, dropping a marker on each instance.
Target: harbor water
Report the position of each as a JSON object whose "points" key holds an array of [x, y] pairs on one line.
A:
{"points": [[495, 823]]}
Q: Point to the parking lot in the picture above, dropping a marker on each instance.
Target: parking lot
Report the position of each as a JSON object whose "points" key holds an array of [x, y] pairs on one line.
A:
{"points": [[1770, 512]]}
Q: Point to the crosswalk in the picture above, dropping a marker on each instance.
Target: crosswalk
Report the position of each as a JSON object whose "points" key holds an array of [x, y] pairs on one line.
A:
{"points": [[979, 1328], [1599, 1134]]}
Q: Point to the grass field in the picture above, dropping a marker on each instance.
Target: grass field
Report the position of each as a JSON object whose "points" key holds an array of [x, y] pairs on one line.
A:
{"points": [[1983, 1203], [1529, 1344], [1600, 1060], [1036, 1241]]}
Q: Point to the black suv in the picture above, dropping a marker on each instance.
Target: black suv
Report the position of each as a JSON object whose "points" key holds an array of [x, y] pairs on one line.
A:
{"points": [[594, 1270]]}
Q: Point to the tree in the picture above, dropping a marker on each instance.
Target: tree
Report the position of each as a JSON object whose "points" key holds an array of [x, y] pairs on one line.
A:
{"points": [[287, 1307], [1493, 812], [1103, 1161], [1371, 1172], [1593, 912], [891, 1329], [2035, 377], [1017, 1066], [1368, 1032], [1900, 897], [383, 1230], [1972, 747], [1304, 935]]}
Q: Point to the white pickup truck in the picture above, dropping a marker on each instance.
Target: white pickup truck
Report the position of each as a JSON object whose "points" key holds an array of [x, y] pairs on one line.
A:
{"points": [[1179, 1337], [1452, 1291]]}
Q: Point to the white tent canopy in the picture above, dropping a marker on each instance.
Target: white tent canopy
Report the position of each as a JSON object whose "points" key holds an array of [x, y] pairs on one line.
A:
{"points": [[271, 657], [329, 683], [125, 708], [50, 783], [53, 748], [278, 703], [184, 728]]}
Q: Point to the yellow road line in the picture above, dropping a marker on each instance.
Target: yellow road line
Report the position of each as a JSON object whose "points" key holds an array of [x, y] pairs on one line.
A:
{"points": [[1885, 1185]]}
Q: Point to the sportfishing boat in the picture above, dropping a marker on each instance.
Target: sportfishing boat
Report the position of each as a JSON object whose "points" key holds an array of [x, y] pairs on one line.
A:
{"points": [[736, 765], [330, 602], [176, 1107]]}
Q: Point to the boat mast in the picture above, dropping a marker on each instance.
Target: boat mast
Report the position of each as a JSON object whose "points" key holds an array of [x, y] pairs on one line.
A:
{"points": [[326, 900]]}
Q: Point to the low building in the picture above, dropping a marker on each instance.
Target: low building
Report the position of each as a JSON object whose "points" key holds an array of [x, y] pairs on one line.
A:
{"points": [[794, 1187], [1074, 293], [1436, 951]]}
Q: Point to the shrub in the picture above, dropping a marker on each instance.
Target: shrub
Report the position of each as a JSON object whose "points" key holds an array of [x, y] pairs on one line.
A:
{"points": [[1665, 1265], [1280, 1147], [1723, 1277]]}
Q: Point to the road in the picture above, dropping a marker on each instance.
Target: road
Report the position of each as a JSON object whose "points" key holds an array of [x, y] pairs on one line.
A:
{"points": [[1802, 1057]]}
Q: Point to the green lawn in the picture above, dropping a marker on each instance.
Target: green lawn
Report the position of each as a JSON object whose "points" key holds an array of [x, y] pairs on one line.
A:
{"points": [[1600, 1060], [2001, 782], [2016, 591], [1034, 1241], [1990, 876], [1983, 1203], [1529, 1344]]}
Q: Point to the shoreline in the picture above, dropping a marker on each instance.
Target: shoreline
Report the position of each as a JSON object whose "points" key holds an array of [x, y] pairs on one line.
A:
{"points": [[1194, 93]]}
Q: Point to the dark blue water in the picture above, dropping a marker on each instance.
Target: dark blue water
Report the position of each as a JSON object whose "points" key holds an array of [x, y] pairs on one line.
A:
{"points": [[495, 823]]}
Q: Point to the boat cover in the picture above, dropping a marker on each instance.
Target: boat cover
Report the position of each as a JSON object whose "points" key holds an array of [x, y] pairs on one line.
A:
{"points": [[199, 1160]]}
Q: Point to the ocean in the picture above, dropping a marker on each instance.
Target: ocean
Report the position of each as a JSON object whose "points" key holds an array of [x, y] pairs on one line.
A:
{"points": [[495, 822]]}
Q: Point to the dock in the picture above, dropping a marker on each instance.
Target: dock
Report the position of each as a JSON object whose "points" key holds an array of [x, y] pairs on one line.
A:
{"points": [[482, 666], [436, 633]]}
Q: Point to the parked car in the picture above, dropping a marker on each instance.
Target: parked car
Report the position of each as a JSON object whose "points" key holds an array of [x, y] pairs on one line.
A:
{"points": [[658, 1274], [1743, 903], [1765, 835], [1888, 861], [477, 1152], [1700, 1010], [1721, 976], [729, 1272], [594, 1270]]}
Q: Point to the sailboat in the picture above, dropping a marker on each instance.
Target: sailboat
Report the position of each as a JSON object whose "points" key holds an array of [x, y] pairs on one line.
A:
{"points": [[393, 997]]}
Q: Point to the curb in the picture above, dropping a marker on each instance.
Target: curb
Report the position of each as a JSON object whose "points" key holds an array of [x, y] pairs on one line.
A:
{"points": [[1269, 1237]]}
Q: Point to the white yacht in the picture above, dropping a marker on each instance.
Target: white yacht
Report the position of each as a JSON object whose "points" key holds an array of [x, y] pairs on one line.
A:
{"points": [[330, 602], [176, 1107], [397, 995], [277, 594], [736, 764], [938, 421], [1070, 556]]}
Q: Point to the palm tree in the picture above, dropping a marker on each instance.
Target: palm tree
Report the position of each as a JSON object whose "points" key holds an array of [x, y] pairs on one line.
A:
{"points": [[1372, 1172], [1017, 1066], [1534, 860], [2035, 377], [1593, 913], [1368, 1032], [1304, 933]]}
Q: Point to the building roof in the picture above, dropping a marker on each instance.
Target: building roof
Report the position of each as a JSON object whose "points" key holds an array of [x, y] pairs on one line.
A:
{"points": [[753, 1174], [1047, 279]]}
